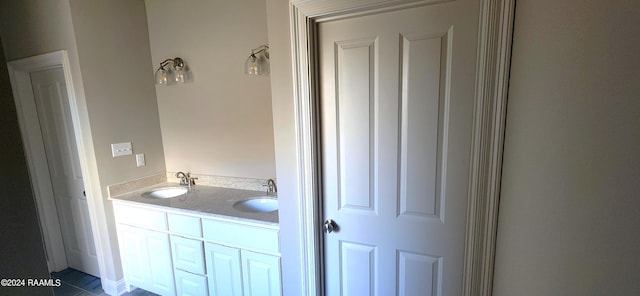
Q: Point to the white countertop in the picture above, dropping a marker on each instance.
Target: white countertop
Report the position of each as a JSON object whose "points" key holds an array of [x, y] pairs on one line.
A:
{"points": [[205, 200]]}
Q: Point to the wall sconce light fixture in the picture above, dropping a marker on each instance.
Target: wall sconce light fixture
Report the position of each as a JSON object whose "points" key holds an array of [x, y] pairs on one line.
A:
{"points": [[171, 71], [258, 62]]}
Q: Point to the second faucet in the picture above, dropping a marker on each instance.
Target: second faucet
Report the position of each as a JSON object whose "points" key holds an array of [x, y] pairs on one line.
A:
{"points": [[271, 186]]}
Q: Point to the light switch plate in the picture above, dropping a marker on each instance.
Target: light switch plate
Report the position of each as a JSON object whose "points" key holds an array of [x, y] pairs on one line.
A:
{"points": [[121, 149], [140, 159]]}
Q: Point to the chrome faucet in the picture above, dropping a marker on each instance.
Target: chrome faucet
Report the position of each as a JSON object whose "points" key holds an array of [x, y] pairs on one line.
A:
{"points": [[271, 186], [186, 179], [183, 178]]}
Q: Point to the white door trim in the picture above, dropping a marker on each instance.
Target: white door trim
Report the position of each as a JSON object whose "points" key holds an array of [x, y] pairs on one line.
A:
{"points": [[19, 73], [37, 161], [494, 55]]}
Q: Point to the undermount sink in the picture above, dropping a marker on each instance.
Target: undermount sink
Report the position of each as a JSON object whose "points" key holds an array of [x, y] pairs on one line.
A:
{"points": [[260, 204], [165, 192]]}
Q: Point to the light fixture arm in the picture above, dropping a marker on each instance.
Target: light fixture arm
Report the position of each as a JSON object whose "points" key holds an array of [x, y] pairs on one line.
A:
{"points": [[262, 48], [176, 62], [165, 63]]}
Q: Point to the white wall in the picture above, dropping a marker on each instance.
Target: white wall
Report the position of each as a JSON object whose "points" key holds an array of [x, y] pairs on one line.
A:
{"points": [[570, 204], [221, 123]]}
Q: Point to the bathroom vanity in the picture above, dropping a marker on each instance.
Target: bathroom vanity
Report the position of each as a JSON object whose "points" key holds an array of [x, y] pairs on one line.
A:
{"points": [[204, 241]]}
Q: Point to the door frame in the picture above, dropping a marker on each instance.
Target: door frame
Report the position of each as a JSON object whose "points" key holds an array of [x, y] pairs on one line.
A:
{"points": [[19, 73], [492, 78]]}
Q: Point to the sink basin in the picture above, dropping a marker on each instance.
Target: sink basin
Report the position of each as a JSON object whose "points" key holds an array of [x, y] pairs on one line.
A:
{"points": [[165, 192], [261, 204]]}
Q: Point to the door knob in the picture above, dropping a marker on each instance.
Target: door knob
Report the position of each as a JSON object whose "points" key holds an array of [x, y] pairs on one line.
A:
{"points": [[330, 226]]}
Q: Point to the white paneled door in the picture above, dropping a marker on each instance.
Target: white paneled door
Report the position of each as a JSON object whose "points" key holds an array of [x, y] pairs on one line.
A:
{"points": [[396, 101], [52, 106]]}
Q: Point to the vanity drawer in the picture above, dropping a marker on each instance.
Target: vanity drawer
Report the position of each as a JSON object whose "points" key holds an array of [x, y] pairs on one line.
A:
{"points": [[139, 216], [185, 225], [190, 284], [188, 254], [242, 236]]}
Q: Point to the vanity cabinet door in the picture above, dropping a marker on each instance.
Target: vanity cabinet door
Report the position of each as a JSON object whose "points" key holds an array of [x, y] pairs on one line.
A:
{"points": [[132, 252], [161, 270], [260, 274], [146, 259], [223, 270]]}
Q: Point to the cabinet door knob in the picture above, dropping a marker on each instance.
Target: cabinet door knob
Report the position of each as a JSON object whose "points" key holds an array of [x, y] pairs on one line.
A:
{"points": [[330, 226]]}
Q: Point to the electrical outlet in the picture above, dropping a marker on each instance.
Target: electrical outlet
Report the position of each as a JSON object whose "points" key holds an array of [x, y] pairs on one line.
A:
{"points": [[121, 149], [140, 159]]}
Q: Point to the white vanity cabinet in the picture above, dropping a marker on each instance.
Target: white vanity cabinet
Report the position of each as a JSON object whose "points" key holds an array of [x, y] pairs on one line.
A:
{"points": [[171, 253], [145, 250]]}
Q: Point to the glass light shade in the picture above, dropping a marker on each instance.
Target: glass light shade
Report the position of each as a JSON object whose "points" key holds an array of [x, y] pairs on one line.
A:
{"points": [[264, 62], [162, 76], [179, 75], [253, 66]]}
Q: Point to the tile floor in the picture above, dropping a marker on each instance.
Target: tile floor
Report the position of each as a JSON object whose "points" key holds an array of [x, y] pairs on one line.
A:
{"points": [[76, 283]]}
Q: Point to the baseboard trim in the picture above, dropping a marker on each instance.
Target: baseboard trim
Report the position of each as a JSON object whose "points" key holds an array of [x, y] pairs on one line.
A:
{"points": [[114, 287]]}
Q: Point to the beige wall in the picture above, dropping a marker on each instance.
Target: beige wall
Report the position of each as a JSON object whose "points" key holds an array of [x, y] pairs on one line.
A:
{"points": [[36, 27], [109, 56], [113, 47], [570, 204], [221, 123]]}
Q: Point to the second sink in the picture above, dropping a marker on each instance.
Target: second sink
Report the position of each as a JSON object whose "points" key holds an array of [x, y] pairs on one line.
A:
{"points": [[257, 205]]}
